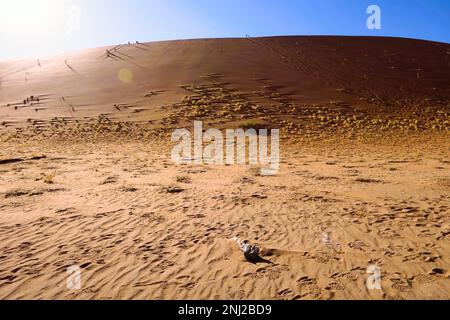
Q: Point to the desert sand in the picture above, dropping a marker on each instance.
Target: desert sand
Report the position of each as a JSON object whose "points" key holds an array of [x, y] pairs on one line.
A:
{"points": [[86, 176]]}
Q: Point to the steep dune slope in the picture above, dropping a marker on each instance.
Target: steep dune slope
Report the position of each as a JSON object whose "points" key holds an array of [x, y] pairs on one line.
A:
{"points": [[133, 81]]}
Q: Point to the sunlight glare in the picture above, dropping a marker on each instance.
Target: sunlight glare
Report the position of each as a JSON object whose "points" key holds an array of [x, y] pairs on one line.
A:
{"points": [[29, 14]]}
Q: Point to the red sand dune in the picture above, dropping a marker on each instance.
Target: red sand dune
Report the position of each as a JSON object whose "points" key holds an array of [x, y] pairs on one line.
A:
{"points": [[306, 70]]}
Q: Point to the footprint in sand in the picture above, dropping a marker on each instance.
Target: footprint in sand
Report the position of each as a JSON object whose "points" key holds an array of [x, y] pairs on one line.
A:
{"points": [[324, 258], [238, 295], [189, 285], [435, 274], [286, 294], [268, 272], [309, 288], [353, 275], [335, 286], [395, 297], [423, 278], [400, 284]]}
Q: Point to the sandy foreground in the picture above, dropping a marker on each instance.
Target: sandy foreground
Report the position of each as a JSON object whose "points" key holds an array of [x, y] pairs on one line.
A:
{"points": [[142, 227], [87, 179]]}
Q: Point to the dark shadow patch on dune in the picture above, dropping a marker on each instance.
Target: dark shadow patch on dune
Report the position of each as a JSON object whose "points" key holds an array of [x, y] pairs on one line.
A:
{"points": [[14, 193], [368, 180], [16, 160]]}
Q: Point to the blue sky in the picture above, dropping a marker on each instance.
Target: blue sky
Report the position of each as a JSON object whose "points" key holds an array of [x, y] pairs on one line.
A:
{"points": [[45, 27]]}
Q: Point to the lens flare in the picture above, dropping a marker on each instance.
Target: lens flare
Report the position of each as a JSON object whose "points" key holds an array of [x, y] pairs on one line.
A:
{"points": [[125, 75]]}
